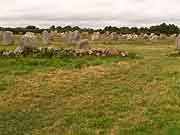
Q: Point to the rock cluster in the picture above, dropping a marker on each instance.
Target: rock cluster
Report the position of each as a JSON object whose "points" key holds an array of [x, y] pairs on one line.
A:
{"points": [[115, 36], [51, 52], [112, 36]]}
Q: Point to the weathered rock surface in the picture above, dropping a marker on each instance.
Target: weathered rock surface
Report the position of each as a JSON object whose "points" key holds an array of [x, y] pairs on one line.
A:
{"points": [[8, 38]]}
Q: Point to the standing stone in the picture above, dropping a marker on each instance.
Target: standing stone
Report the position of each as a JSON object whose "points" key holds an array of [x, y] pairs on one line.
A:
{"points": [[134, 36], [178, 42], [95, 36], [46, 36], [68, 36], [73, 37], [29, 40], [106, 37], [76, 36], [1, 35], [153, 37], [145, 36], [129, 36], [84, 44], [8, 37], [114, 36]]}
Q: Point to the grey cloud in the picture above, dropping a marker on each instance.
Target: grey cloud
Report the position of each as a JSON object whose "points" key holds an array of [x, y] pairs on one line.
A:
{"points": [[94, 13]]}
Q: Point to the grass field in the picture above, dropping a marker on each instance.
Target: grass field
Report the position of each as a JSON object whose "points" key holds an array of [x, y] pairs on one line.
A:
{"points": [[93, 96]]}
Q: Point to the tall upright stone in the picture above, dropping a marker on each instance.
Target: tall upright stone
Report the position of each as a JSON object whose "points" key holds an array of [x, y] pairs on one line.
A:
{"points": [[178, 42], [73, 37], [29, 40], [46, 37], [1, 35], [114, 36], [8, 38], [95, 36], [145, 36], [76, 36], [68, 36]]}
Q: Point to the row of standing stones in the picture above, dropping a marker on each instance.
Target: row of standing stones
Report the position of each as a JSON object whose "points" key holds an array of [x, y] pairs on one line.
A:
{"points": [[29, 41], [29, 46], [71, 37]]}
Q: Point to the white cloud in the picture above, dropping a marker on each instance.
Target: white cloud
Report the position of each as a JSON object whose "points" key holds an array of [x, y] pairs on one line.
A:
{"points": [[94, 13]]}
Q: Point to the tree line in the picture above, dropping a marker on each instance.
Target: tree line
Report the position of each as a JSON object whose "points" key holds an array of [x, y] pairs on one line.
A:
{"points": [[163, 28]]}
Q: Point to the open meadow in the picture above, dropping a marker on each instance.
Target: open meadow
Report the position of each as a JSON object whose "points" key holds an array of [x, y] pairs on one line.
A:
{"points": [[134, 95]]}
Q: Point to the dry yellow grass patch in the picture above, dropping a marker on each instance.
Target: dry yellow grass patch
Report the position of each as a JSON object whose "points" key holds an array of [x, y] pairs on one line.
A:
{"points": [[31, 88]]}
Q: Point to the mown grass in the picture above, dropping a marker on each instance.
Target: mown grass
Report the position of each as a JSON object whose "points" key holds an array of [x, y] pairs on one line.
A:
{"points": [[138, 95]]}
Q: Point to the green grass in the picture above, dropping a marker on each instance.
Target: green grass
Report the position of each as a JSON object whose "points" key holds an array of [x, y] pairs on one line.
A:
{"points": [[138, 95]]}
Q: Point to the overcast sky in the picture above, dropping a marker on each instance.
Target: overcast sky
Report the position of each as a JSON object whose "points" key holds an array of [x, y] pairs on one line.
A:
{"points": [[89, 13]]}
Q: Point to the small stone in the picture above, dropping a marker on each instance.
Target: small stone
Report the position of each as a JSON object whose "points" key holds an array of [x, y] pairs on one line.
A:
{"points": [[123, 54], [113, 52]]}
